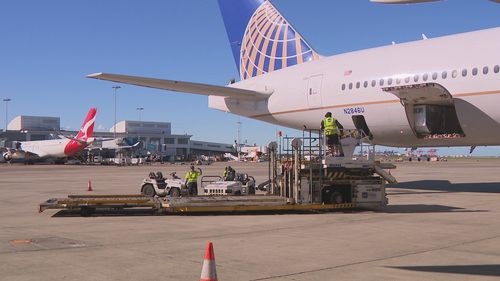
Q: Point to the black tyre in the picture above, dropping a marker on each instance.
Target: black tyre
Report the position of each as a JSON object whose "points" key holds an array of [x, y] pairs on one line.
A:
{"points": [[237, 193], [86, 211], [251, 189], [175, 192], [148, 190], [336, 198]]}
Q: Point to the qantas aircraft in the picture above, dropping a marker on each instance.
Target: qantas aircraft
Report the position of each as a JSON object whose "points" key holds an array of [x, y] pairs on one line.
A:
{"points": [[436, 92], [54, 149]]}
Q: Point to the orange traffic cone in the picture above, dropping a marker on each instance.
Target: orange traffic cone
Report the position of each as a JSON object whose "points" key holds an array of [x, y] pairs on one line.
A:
{"points": [[208, 271], [89, 186]]}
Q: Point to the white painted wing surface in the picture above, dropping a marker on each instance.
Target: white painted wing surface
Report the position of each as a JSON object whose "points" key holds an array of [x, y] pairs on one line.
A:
{"points": [[185, 87]]}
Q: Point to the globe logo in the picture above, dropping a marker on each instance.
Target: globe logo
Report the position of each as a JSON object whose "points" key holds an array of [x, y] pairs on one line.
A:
{"points": [[270, 43]]}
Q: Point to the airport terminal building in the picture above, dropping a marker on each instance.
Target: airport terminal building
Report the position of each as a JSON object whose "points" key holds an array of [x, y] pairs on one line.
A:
{"points": [[155, 137]]}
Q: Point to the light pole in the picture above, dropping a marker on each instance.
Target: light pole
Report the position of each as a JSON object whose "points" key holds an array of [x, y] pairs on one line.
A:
{"points": [[114, 127], [238, 138], [140, 109], [6, 100]]}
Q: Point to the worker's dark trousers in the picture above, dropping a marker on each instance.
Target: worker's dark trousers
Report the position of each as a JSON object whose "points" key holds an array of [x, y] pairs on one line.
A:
{"points": [[193, 188]]}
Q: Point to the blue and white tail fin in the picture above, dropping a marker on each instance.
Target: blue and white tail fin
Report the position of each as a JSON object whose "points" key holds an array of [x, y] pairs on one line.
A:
{"points": [[262, 40]]}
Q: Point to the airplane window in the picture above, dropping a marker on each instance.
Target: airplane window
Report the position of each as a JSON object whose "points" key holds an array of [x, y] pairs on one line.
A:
{"points": [[343, 87], [398, 80], [497, 68], [454, 74], [425, 77], [474, 71], [358, 85], [365, 84], [389, 81], [434, 76], [381, 82], [485, 70], [374, 83], [350, 86], [444, 75], [407, 79], [415, 78], [464, 72]]}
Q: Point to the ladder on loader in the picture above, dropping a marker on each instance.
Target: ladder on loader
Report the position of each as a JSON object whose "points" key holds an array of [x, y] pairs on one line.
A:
{"points": [[302, 171]]}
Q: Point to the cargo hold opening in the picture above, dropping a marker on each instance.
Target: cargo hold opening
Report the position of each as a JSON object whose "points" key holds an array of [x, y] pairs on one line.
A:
{"points": [[430, 110], [436, 121]]}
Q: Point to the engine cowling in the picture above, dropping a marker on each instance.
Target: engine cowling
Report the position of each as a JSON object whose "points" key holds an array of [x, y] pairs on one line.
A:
{"points": [[7, 156]]}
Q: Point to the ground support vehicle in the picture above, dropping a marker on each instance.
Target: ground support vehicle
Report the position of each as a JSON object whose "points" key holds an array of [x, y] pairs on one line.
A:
{"points": [[215, 185], [301, 178], [156, 184], [302, 171]]}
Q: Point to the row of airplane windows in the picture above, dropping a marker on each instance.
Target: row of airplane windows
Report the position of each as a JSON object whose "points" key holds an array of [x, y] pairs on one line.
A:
{"points": [[416, 78]]}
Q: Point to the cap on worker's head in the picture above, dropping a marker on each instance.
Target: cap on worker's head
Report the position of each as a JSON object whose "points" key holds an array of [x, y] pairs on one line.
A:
{"points": [[328, 114]]}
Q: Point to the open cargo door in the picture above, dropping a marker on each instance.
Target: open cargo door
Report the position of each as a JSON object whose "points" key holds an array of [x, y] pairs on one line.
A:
{"points": [[430, 110]]}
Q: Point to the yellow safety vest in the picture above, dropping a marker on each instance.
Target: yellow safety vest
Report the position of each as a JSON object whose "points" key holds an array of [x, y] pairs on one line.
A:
{"points": [[330, 126], [192, 176]]}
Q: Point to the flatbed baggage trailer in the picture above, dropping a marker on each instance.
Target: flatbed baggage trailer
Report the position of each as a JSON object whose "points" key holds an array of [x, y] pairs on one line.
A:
{"points": [[88, 204]]}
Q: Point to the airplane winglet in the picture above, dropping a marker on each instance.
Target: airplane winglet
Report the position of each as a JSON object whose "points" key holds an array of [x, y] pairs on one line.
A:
{"points": [[185, 87]]}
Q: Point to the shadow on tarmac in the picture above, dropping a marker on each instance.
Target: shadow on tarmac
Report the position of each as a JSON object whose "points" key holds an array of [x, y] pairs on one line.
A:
{"points": [[480, 269], [447, 186], [423, 208], [149, 212], [390, 209]]}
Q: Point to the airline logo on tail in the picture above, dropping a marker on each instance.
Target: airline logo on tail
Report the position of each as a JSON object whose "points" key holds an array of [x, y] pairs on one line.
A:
{"points": [[262, 39], [84, 135], [87, 129]]}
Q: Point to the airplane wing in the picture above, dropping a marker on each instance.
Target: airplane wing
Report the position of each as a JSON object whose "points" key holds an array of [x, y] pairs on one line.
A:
{"points": [[185, 87]]}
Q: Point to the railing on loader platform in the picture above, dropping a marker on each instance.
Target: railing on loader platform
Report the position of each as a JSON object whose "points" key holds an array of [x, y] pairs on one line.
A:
{"points": [[299, 167]]}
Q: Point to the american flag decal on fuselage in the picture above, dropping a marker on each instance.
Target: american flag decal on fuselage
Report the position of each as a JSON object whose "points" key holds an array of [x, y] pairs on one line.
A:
{"points": [[270, 43]]}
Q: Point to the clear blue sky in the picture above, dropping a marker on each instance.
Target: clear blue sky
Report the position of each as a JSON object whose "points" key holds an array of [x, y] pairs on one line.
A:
{"points": [[47, 47]]}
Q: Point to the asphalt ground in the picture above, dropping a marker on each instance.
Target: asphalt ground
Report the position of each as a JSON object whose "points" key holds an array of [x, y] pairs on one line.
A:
{"points": [[442, 223]]}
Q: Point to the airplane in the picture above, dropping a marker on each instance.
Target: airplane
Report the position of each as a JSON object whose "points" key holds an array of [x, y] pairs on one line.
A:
{"points": [[114, 144], [437, 92], [56, 148]]}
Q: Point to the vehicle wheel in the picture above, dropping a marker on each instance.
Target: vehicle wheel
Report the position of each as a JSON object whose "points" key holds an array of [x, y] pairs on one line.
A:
{"points": [[148, 190], [86, 211], [237, 193], [251, 189], [336, 198], [175, 192]]}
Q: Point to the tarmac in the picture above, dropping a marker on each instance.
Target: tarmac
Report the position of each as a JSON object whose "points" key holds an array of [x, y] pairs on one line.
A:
{"points": [[442, 223]]}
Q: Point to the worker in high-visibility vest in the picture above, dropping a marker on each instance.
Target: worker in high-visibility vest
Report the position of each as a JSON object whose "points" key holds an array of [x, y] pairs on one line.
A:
{"points": [[331, 128], [192, 180], [229, 174]]}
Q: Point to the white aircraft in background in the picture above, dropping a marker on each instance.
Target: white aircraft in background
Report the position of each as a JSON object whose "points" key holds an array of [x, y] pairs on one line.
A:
{"points": [[114, 144], [53, 149], [436, 92]]}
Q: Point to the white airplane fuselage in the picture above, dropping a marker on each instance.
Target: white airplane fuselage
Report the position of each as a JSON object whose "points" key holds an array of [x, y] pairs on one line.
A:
{"points": [[46, 148], [303, 93]]}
